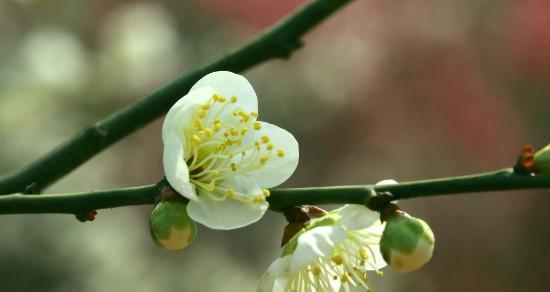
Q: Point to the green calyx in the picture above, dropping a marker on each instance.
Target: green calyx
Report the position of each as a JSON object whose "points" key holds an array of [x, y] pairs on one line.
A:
{"points": [[542, 160], [170, 226], [402, 233]]}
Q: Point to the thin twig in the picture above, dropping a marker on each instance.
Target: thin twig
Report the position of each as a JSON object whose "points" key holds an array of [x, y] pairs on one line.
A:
{"points": [[280, 199]]}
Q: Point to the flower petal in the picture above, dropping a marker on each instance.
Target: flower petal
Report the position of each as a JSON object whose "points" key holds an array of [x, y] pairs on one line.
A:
{"points": [[230, 213], [180, 114], [315, 243], [357, 217], [228, 84], [376, 260], [277, 169], [275, 279], [175, 168]]}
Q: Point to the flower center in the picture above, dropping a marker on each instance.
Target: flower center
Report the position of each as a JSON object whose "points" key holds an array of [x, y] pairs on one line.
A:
{"points": [[348, 265], [220, 144]]}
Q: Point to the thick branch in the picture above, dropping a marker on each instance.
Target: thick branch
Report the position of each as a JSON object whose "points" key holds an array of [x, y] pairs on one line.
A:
{"points": [[277, 42], [280, 199]]}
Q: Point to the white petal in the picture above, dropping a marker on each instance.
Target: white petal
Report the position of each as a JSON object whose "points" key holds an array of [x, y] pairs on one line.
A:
{"points": [[175, 168], [357, 217], [230, 213], [277, 169], [315, 243], [275, 279], [180, 114], [376, 260], [228, 84]]}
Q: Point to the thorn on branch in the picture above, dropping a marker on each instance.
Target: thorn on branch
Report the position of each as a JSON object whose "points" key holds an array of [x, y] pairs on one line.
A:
{"points": [[526, 161], [86, 216], [286, 48], [31, 189]]}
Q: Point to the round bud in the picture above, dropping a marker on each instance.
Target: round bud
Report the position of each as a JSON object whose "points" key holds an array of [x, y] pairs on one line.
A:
{"points": [[542, 160], [171, 227], [407, 242]]}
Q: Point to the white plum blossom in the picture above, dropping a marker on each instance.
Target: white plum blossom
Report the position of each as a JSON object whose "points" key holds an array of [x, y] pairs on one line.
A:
{"points": [[220, 157], [333, 252]]}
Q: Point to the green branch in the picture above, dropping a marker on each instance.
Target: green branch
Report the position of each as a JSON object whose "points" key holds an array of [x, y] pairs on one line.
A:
{"points": [[280, 199], [278, 41]]}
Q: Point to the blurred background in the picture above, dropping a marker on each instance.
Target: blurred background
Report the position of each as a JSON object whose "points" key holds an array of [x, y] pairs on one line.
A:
{"points": [[384, 89]]}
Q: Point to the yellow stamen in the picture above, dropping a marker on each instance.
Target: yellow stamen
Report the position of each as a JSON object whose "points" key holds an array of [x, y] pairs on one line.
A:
{"points": [[281, 153], [196, 139], [231, 193], [233, 167], [233, 99], [316, 271], [263, 160], [270, 146], [337, 259], [266, 192], [257, 126], [265, 139]]}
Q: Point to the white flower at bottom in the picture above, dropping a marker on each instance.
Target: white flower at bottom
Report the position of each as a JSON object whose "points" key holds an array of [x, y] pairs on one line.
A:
{"points": [[217, 155], [333, 251]]}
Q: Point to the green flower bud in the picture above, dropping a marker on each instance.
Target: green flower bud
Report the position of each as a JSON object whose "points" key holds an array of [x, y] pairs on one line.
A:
{"points": [[542, 160], [171, 227], [407, 242]]}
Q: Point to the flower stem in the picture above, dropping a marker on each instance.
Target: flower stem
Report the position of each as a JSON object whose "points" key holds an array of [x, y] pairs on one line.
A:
{"points": [[280, 199], [278, 41]]}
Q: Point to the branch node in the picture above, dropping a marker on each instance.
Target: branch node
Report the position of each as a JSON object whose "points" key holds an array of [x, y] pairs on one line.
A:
{"points": [[380, 201], [31, 189]]}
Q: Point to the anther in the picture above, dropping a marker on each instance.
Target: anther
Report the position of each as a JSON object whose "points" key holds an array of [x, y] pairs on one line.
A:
{"points": [[205, 106], [257, 126], [316, 271], [243, 132], [270, 146], [234, 132], [196, 139], [265, 139], [266, 192], [254, 114], [281, 153], [337, 259], [215, 97], [202, 113], [233, 167], [263, 160], [363, 254], [233, 99], [208, 132], [230, 193]]}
